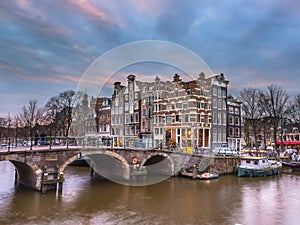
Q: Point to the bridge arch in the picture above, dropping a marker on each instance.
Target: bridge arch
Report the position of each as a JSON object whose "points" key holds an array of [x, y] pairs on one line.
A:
{"points": [[70, 160], [126, 173], [164, 155], [27, 174]]}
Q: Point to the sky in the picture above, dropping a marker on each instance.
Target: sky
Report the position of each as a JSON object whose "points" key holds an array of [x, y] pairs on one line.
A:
{"points": [[47, 46]]}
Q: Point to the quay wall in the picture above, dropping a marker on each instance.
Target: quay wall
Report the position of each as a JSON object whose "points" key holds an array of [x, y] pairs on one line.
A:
{"points": [[224, 165]]}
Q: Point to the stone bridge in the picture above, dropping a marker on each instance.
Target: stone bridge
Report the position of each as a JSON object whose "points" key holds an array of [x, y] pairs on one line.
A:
{"points": [[43, 169]]}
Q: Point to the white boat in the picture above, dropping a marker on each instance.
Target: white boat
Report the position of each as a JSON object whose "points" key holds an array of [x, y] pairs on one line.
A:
{"points": [[258, 167]]}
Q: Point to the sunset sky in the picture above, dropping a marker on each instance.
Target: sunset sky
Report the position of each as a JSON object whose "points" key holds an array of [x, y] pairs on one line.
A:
{"points": [[46, 46]]}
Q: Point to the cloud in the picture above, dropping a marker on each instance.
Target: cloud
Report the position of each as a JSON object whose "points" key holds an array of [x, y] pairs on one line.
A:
{"points": [[48, 45]]}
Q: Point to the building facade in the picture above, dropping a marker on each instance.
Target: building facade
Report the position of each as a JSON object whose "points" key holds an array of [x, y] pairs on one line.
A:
{"points": [[103, 112], [218, 93], [234, 126], [180, 114]]}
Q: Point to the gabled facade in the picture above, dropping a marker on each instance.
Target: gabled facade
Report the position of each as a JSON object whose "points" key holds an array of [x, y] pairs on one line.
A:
{"points": [[103, 112], [234, 126], [218, 93]]}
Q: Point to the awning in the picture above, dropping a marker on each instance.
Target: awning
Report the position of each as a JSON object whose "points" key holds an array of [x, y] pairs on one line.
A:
{"points": [[288, 142]]}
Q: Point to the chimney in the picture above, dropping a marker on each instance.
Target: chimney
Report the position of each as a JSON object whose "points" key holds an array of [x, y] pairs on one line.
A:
{"points": [[176, 78]]}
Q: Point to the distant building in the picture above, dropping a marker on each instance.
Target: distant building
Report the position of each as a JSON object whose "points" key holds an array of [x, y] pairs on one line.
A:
{"points": [[117, 115], [84, 118], [103, 111], [218, 93], [234, 123]]}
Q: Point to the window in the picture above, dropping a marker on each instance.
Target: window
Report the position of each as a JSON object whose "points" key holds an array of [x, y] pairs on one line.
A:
{"points": [[117, 102], [185, 105], [219, 135], [231, 122], [189, 92], [120, 110], [169, 107], [186, 118], [224, 135], [215, 91], [201, 92], [144, 112], [237, 111], [224, 93], [205, 118], [224, 118], [237, 132], [177, 118], [230, 109], [236, 121], [177, 105], [224, 104], [219, 104], [214, 104], [214, 135], [198, 104], [215, 119], [219, 118], [205, 105], [219, 92], [126, 106], [198, 117], [169, 119], [231, 132]]}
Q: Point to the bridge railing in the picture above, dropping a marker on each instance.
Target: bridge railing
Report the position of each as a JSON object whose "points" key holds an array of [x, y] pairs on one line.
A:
{"points": [[51, 142], [59, 142]]}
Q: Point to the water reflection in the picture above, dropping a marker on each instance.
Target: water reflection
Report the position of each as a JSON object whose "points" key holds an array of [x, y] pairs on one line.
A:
{"points": [[227, 200]]}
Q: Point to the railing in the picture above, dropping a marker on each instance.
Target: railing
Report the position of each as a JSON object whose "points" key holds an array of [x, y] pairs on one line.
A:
{"points": [[48, 142], [58, 142]]}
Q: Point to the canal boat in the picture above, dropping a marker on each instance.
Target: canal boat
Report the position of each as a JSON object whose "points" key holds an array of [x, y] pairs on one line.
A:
{"points": [[258, 167], [208, 176], [295, 165]]}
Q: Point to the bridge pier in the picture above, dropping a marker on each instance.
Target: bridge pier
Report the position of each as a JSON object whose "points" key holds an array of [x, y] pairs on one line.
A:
{"points": [[52, 180]]}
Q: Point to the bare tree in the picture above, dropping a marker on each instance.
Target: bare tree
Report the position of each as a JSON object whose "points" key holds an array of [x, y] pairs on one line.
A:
{"points": [[67, 99], [274, 101], [30, 117], [52, 109], [294, 110], [2, 127], [252, 112]]}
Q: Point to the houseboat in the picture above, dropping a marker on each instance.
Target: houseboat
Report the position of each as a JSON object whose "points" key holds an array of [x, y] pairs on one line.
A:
{"points": [[258, 167]]}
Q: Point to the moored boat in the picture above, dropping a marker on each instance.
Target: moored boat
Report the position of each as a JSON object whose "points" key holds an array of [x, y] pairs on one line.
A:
{"points": [[295, 165], [291, 164], [258, 167], [208, 176]]}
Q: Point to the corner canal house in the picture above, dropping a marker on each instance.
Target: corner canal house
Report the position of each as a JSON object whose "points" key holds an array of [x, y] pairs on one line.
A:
{"points": [[184, 114]]}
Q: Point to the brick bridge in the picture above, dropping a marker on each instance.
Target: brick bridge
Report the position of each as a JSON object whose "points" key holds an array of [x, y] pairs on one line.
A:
{"points": [[43, 169]]}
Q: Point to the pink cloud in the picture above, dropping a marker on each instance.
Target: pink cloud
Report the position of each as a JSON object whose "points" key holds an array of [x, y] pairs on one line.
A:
{"points": [[152, 8], [87, 7]]}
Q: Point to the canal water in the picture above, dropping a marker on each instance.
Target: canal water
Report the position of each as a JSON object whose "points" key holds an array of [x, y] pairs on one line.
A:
{"points": [[177, 200]]}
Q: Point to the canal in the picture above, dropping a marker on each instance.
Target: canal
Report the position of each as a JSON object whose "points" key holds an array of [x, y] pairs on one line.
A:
{"points": [[177, 200]]}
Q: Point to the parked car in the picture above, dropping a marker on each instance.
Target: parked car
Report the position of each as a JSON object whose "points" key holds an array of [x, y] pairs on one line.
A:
{"points": [[225, 151]]}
